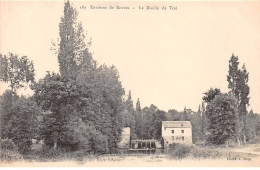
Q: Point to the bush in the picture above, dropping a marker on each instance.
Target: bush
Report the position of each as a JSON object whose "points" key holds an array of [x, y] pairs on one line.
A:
{"points": [[9, 151], [254, 140], [203, 153], [8, 144], [49, 153], [179, 151]]}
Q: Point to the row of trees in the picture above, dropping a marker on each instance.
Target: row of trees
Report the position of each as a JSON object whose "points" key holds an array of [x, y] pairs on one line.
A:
{"points": [[79, 108], [221, 118], [82, 107], [144, 123], [226, 113]]}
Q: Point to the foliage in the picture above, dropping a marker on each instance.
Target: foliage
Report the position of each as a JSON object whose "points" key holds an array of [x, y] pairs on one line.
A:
{"points": [[196, 122], [253, 126], [150, 121], [84, 101], [138, 120], [7, 101], [63, 99], [179, 151], [8, 144], [232, 76], [204, 122], [129, 116], [158, 118], [173, 115], [18, 71], [222, 119], [185, 116], [238, 85], [71, 100], [9, 151], [149, 115], [210, 94], [106, 92], [23, 124], [72, 49]]}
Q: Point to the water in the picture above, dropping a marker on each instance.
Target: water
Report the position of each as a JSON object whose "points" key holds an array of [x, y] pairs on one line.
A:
{"points": [[139, 152]]}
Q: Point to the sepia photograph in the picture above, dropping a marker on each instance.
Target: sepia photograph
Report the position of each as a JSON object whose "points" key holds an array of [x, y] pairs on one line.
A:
{"points": [[129, 83]]}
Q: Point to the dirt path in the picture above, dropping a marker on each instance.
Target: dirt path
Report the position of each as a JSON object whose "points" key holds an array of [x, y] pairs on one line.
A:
{"points": [[247, 149]]}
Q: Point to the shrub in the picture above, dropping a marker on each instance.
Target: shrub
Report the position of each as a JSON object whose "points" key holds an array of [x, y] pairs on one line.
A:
{"points": [[179, 151], [203, 153], [49, 153], [8, 144], [9, 151], [254, 140]]}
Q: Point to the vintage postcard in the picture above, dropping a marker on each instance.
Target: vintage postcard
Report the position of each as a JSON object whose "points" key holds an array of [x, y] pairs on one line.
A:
{"points": [[129, 83]]}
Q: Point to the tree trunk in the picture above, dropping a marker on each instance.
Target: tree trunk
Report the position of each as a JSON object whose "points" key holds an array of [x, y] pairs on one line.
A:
{"points": [[244, 137], [227, 144], [238, 141], [55, 144]]}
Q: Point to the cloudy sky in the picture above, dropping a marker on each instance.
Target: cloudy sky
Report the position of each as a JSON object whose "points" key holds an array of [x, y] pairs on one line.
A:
{"points": [[167, 58]]}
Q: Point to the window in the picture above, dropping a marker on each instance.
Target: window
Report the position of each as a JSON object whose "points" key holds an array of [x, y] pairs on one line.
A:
{"points": [[182, 131], [165, 128], [172, 131], [181, 124], [172, 137], [182, 137]]}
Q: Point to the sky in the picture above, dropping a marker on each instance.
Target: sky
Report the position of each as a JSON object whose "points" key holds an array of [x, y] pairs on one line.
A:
{"points": [[166, 58]]}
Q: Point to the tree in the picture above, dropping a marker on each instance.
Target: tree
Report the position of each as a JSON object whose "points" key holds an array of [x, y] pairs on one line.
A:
{"points": [[253, 120], [197, 125], [18, 71], [203, 119], [232, 76], [138, 119], [222, 119], [72, 48], [173, 115], [23, 124], [63, 99], [129, 115], [159, 117], [244, 99], [7, 101], [185, 116], [82, 96], [149, 114], [238, 85], [210, 94], [111, 90]]}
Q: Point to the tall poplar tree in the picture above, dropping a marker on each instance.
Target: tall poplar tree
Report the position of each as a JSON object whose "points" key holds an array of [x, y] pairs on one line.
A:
{"points": [[129, 115], [138, 119], [244, 99], [238, 85], [72, 48], [203, 119], [84, 100]]}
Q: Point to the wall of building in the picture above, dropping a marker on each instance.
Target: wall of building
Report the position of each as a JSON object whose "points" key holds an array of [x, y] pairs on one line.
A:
{"points": [[177, 136], [177, 131]]}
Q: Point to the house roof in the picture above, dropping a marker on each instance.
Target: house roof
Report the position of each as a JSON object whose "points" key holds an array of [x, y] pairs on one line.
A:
{"points": [[176, 124]]}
